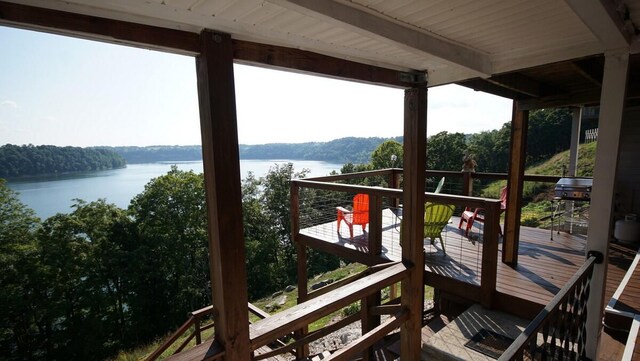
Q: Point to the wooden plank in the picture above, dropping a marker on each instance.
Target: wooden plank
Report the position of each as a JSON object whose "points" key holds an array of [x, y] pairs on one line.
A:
{"points": [[490, 254], [96, 28], [341, 251], [515, 184], [302, 275], [268, 329], [415, 135], [221, 160], [207, 351], [370, 338], [306, 62]]}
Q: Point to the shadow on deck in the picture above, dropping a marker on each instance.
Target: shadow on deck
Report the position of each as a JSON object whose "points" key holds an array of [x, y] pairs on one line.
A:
{"points": [[544, 265]]}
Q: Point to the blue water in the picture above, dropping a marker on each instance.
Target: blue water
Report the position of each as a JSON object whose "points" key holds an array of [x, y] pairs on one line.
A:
{"points": [[50, 195]]}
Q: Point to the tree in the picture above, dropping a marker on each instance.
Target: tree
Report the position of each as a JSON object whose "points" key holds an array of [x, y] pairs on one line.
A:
{"points": [[172, 266], [18, 262], [549, 133], [389, 154], [445, 151]]}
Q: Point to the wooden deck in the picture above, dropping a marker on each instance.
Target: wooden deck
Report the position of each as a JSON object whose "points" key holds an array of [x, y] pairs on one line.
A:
{"points": [[544, 265]]}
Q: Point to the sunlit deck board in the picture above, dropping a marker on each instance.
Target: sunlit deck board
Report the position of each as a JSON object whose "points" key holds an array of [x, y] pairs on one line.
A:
{"points": [[544, 265]]}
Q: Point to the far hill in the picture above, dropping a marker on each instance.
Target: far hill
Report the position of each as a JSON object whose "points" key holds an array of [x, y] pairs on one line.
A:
{"points": [[32, 160], [343, 150]]}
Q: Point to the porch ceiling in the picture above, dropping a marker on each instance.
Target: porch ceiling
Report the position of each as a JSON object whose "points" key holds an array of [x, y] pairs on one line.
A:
{"points": [[492, 45]]}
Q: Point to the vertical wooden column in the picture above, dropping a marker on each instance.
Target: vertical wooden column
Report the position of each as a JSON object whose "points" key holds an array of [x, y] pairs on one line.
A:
{"points": [[616, 66], [515, 184], [218, 125], [415, 136], [301, 252], [394, 183], [369, 322], [489, 254], [467, 183]]}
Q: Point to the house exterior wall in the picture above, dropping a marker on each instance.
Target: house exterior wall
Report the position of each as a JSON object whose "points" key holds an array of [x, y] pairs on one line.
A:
{"points": [[628, 174]]}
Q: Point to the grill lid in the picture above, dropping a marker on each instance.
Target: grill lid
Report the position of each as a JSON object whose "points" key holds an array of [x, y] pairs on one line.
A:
{"points": [[571, 188]]}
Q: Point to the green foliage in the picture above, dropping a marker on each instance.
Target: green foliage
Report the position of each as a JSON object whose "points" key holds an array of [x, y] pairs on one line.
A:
{"points": [[387, 155], [352, 309], [549, 133], [173, 271], [18, 265], [29, 160], [491, 149], [445, 151]]}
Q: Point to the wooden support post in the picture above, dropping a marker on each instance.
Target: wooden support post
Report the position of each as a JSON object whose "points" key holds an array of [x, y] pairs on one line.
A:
{"points": [[301, 252], [467, 183], [369, 321], [515, 184], [394, 183], [221, 160], [616, 66], [415, 136], [489, 255]]}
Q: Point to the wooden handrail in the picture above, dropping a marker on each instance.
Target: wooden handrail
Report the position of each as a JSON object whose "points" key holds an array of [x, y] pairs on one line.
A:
{"points": [[194, 320], [265, 331], [194, 317], [575, 290]]}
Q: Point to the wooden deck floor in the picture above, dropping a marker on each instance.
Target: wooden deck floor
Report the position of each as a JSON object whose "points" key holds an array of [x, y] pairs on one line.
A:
{"points": [[544, 265]]}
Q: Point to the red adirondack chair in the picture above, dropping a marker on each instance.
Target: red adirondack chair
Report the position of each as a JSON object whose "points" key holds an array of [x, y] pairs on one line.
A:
{"points": [[359, 215], [476, 215]]}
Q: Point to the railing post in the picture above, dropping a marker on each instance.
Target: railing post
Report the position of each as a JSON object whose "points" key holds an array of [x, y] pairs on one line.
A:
{"points": [[489, 254], [415, 135], [394, 183], [196, 324], [467, 183], [301, 252], [369, 322]]}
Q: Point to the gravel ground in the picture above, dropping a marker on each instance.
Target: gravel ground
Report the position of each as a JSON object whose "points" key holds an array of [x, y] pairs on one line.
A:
{"points": [[342, 337]]}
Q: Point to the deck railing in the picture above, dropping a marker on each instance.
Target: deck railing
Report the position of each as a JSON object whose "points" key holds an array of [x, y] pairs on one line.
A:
{"points": [[559, 332], [313, 212], [193, 321]]}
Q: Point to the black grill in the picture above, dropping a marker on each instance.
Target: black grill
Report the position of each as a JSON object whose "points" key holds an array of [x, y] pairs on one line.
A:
{"points": [[574, 189]]}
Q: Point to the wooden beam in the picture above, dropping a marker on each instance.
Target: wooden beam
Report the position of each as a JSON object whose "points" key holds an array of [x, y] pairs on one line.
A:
{"points": [[590, 69], [515, 185], [221, 160], [306, 62], [616, 67], [486, 86], [392, 32], [96, 28], [187, 43], [518, 83], [604, 20], [415, 135]]}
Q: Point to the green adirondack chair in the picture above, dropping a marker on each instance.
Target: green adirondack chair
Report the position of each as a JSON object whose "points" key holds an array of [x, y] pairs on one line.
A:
{"points": [[436, 217]]}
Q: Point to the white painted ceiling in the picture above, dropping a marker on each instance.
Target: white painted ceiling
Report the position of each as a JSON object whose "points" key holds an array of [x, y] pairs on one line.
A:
{"points": [[452, 40]]}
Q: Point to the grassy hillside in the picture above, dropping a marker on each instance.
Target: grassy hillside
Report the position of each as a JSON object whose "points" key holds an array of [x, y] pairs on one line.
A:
{"points": [[537, 196], [535, 191]]}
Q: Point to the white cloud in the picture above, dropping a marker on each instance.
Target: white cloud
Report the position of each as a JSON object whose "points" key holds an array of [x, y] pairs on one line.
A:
{"points": [[9, 104]]}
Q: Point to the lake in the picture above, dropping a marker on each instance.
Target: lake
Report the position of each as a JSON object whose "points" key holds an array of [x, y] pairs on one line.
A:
{"points": [[54, 194]]}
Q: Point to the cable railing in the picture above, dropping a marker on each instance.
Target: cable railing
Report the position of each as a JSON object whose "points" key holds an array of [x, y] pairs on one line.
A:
{"points": [[453, 257], [559, 331]]}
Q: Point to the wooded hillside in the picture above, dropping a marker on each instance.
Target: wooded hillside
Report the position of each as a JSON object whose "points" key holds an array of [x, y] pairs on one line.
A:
{"points": [[29, 160]]}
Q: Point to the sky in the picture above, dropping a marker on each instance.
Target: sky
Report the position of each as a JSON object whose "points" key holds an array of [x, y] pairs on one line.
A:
{"points": [[65, 91]]}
